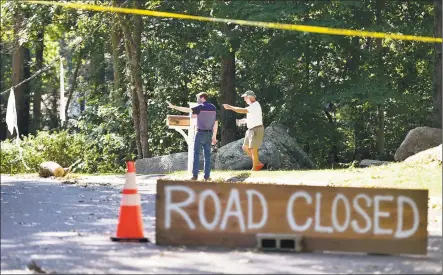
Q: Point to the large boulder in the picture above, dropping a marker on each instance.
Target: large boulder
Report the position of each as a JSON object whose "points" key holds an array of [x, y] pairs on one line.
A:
{"points": [[417, 140], [167, 164], [372, 162], [279, 151]]}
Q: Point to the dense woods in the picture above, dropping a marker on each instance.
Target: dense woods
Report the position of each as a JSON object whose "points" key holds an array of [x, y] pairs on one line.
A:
{"points": [[343, 98]]}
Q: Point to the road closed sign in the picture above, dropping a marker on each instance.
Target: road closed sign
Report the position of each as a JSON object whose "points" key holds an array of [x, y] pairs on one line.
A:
{"points": [[386, 221]]}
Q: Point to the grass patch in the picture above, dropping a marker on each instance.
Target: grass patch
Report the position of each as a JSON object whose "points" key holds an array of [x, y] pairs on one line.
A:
{"points": [[394, 175]]}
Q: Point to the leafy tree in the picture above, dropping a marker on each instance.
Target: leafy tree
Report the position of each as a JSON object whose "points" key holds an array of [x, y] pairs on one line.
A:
{"points": [[343, 98]]}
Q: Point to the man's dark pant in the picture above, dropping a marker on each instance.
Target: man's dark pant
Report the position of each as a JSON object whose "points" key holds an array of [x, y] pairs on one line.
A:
{"points": [[202, 139]]}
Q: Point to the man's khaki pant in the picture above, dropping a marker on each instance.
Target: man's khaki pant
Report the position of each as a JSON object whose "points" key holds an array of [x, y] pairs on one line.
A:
{"points": [[254, 137]]}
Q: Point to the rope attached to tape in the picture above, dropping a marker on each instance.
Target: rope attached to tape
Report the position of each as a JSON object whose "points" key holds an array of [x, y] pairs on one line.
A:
{"points": [[281, 26]]}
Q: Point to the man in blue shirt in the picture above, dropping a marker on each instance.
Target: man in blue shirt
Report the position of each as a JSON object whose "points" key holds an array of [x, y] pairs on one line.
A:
{"points": [[207, 126]]}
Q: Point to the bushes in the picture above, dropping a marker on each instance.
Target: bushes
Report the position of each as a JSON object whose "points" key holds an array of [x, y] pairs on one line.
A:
{"points": [[104, 154]]}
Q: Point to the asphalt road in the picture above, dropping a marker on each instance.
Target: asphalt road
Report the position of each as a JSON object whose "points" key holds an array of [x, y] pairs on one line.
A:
{"points": [[65, 228]]}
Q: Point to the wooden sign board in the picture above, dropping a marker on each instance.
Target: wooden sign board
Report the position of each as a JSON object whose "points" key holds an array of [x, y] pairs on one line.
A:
{"points": [[176, 120], [387, 221]]}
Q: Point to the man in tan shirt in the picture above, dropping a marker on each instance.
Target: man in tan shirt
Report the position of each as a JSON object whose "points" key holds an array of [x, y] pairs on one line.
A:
{"points": [[254, 121]]}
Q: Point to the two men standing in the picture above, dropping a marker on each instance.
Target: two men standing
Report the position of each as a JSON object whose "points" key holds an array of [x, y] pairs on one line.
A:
{"points": [[207, 126]]}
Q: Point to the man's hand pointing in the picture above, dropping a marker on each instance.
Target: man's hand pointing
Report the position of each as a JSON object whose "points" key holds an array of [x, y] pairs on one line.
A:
{"points": [[227, 106]]}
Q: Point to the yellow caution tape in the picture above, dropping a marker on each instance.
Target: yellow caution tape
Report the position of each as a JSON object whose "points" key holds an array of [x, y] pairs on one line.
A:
{"points": [[281, 26]]}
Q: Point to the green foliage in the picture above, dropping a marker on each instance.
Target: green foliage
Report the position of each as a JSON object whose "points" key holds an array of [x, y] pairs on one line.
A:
{"points": [[106, 154], [295, 75]]}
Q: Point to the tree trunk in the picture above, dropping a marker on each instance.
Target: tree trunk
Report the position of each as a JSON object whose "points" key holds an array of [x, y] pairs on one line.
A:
{"points": [[360, 117], [63, 52], [135, 107], [117, 62], [134, 60], [380, 143], [119, 44], [142, 136], [361, 149], [74, 81], [24, 113], [352, 62], [437, 99], [98, 67], [18, 58], [227, 90], [136, 120], [118, 66], [228, 96], [307, 55], [53, 114], [142, 106], [36, 105]]}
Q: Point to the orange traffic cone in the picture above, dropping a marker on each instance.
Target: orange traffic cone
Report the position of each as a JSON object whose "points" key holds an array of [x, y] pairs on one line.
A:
{"points": [[130, 223]]}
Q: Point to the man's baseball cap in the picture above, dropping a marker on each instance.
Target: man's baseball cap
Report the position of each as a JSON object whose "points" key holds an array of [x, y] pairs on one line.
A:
{"points": [[248, 93], [202, 94]]}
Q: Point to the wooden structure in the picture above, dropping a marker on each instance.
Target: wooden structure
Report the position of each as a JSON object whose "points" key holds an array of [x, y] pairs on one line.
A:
{"points": [[371, 220], [174, 120], [185, 123]]}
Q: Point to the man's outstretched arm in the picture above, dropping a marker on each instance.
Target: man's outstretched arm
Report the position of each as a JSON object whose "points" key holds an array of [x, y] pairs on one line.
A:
{"points": [[214, 133], [235, 109], [181, 109]]}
